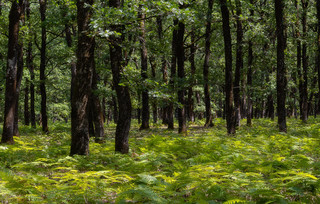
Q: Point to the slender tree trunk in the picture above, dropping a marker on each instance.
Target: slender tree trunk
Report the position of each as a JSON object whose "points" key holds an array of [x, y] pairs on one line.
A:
{"points": [[97, 109], [115, 108], [26, 104], [154, 99], [43, 8], [304, 105], [206, 66], [193, 50], [123, 94], [318, 52], [164, 71], [228, 68], [239, 64], [30, 66], [281, 69], [144, 72], [13, 66], [82, 82], [181, 75], [249, 76], [173, 74]]}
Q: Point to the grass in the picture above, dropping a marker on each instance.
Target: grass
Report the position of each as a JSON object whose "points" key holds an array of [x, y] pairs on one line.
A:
{"points": [[258, 165]]}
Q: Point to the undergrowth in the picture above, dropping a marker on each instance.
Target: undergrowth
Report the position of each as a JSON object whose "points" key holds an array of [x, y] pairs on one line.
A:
{"points": [[258, 165]]}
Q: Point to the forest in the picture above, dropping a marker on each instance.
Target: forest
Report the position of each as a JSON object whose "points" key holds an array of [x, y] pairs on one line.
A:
{"points": [[160, 101]]}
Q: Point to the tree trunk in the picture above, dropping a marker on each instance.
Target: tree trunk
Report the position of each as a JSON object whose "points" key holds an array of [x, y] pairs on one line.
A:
{"points": [[193, 50], [249, 77], [43, 7], [239, 64], [30, 66], [145, 116], [115, 107], [304, 105], [281, 69], [181, 76], [207, 99], [26, 104], [164, 71], [318, 53], [82, 82], [228, 68], [154, 99], [12, 78], [97, 110], [173, 74], [123, 94]]}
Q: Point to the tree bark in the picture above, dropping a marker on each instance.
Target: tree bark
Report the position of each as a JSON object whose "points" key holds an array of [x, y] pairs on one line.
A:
{"points": [[173, 74], [181, 76], [154, 99], [12, 78], [44, 117], [26, 104], [97, 110], [193, 50], [145, 116], [239, 64], [123, 94], [304, 105], [228, 68], [82, 82], [318, 52], [207, 98], [281, 69], [30, 66], [249, 76]]}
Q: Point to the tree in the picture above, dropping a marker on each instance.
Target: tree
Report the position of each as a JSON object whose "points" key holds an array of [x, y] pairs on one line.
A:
{"points": [[14, 72], [30, 66], [173, 68], [206, 66], [123, 94], [239, 63], [144, 71], [44, 117], [82, 82], [228, 68], [281, 69], [318, 51], [249, 76], [181, 77]]}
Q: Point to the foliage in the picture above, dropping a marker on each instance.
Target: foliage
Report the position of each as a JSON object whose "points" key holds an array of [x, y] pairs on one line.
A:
{"points": [[259, 165]]}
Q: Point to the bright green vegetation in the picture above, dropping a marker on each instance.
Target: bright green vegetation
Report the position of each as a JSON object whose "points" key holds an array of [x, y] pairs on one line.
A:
{"points": [[259, 165]]}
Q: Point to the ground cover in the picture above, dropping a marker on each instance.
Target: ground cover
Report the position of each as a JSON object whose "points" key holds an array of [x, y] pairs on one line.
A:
{"points": [[258, 165]]}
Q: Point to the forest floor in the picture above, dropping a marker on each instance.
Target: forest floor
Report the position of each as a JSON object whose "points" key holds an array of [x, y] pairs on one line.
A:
{"points": [[258, 165]]}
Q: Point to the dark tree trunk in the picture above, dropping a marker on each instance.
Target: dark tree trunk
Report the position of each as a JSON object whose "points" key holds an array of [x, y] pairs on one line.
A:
{"points": [[13, 69], [81, 87], [43, 7], [115, 108], [249, 77], [318, 53], [30, 66], [154, 99], [304, 105], [281, 69], [164, 71], [207, 99], [181, 76], [228, 69], [239, 64], [173, 74], [26, 104], [97, 111], [145, 116], [123, 94], [193, 50]]}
